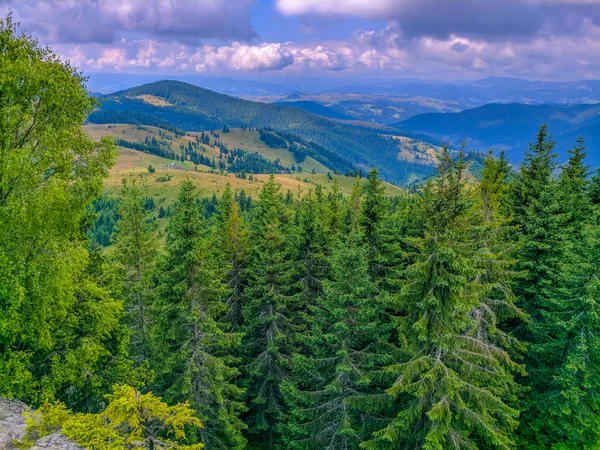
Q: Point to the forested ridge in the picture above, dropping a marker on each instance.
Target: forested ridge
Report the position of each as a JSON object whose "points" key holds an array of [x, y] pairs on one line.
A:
{"points": [[192, 108], [461, 316]]}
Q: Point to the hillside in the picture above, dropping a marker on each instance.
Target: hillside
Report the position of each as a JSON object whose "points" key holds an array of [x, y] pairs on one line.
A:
{"points": [[194, 109], [512, 126]]}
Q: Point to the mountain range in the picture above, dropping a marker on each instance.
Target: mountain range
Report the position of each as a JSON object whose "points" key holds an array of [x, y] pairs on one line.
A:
{"points": [[174, 104], [511, 126]]}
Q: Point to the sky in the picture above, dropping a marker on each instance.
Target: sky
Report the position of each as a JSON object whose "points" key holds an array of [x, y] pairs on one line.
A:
{"points": [[342, 39]]}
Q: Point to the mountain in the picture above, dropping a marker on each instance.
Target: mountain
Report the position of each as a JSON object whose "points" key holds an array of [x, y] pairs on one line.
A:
{"points": [[191, 108], [316, 108], [512, 126]]}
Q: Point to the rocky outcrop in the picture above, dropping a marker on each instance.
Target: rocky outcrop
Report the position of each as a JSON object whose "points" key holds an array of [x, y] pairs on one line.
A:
{"points": [[12, 427], [55, 442], [12, 422]]}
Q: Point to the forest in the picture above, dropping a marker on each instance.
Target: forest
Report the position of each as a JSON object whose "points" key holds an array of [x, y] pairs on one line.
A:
{"points": [[463, 315]]}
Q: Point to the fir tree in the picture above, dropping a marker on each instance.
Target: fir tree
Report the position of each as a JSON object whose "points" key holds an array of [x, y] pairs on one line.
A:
{"points": [[136, 249], [347, 345], [194, 362], [234, 250], [562, 361], [453, 386], [268, 322]]}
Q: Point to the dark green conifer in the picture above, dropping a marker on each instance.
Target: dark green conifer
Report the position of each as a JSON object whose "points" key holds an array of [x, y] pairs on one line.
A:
{"points": [[192, 347], [452, 389], [268, 317]]}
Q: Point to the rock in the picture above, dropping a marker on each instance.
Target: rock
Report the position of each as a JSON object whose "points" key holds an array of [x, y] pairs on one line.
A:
{"points": [[55, 441], [12, 422], [12, 427]]}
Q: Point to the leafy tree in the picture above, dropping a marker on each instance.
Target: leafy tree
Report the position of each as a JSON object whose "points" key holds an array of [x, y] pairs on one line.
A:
{"points": [[136, 250], [193, 361], [453, 386], [131, 420], [60, 332]]}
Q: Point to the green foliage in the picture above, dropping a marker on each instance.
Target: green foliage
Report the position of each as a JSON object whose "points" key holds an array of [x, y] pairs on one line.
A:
{"points": [[131, 420], [136, 250], [268, 318], [453, 385], [347, 344], [193, 349], [60, 332]]}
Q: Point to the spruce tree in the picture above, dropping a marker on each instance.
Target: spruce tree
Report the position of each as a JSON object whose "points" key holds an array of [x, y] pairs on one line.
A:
{"points": [[560, 291], [232, 238], [452, 389], [268, 318], [193, 348], [313, 246], [136, 250], [347, 344]]}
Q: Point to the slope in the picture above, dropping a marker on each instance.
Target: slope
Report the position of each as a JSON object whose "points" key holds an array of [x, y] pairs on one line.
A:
{"points": [[191, 108]]}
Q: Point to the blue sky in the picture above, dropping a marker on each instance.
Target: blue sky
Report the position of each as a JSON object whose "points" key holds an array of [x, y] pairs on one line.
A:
{"points": [[344, 39]]}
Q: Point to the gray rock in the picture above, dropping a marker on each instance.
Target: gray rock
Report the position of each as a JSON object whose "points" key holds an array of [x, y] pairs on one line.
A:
{"points": [[55, 441], [12, 422], [12, 427]]}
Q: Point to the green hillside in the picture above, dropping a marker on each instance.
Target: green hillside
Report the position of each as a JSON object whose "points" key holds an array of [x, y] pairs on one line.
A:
{"points": [[191, 108]]}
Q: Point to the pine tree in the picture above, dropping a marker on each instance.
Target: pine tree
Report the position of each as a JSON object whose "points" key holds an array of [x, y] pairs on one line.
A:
{"points": [[453, 386], [313, 246], [562, 362], [268, 318], [234, 250], [193, 358], [136, 249], [347, 343]]}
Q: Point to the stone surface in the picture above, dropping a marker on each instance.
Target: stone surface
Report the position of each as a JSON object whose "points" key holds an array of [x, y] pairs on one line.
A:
{"points": [[55, 442], [12, 427], [12, 422]]}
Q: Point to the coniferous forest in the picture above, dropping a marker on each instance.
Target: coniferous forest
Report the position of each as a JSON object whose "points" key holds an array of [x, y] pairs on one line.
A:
{"points": [[465, 315]]}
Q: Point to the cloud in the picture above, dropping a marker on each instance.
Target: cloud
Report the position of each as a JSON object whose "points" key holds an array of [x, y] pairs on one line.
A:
{"points": [[105, 21], [484, 19], [384, 52]]}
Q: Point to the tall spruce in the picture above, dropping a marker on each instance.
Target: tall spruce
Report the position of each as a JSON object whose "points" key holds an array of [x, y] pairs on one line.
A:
{"points": [[234, 249], [193, 348], [136, 251], [313, 246], [268, 318], [453, 387], [559, 289], [347, 344]]}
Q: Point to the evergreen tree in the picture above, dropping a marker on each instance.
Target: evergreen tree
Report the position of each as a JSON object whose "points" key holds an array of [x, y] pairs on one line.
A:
{"points": [[194, 359], [559, 289], [313, 246], [136, 249], [347, 343], [453, 386], [268, 318], [234, 250]]}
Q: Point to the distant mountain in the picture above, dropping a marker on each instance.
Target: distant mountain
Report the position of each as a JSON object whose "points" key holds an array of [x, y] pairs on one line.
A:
{"points": [[316, 108], [191, 108], [372, 108], [487, 90], [512, 126]]}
